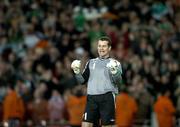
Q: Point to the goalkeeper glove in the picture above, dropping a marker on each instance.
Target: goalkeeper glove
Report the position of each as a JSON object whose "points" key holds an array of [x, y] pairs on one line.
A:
{"points": [[75, 65], [113, 66]]}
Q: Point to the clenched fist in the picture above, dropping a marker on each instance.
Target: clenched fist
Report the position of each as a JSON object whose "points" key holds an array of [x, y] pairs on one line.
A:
{"points": [[113, 66], [76, 64]]}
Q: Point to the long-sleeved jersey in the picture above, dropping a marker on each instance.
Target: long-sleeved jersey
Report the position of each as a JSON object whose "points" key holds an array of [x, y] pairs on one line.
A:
{"points": [[98, 77]]}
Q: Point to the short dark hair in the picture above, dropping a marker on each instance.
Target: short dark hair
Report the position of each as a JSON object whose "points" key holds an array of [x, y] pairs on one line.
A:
{"points": [[106, 38]]}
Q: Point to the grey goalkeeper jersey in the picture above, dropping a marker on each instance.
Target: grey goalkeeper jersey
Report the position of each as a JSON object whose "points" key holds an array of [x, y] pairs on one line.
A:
{"points": [[98, 77]]}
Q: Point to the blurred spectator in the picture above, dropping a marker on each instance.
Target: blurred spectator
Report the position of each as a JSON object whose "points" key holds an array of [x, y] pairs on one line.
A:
{"points": [[159, 10], [177, 94], [13, 115], [165, 111], [56, 107], [94, 33], [40, 105], [126, 109], [76, 102], [79, 19], [144, 102]]}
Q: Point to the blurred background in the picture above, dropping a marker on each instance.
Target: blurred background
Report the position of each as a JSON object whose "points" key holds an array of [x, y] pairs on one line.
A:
{"points": [[40, 38]]}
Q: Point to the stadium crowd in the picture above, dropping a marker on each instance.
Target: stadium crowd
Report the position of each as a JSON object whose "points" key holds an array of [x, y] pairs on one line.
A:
{"points": [[40, 38]]}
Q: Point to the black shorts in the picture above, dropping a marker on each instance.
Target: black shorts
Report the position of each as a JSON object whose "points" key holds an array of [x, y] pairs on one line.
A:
{"points": [[100, 107]]}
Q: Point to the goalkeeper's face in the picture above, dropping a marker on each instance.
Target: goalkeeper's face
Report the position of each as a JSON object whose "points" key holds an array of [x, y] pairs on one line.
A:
{"points": [[103, 49]]}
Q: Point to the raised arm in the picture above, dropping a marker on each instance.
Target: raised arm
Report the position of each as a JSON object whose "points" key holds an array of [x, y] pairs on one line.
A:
{"points": [[81, 77], [115, 69]]}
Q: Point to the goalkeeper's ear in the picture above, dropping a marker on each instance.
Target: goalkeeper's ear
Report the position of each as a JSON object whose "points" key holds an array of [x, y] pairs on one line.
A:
{"points": [[109, 48]]}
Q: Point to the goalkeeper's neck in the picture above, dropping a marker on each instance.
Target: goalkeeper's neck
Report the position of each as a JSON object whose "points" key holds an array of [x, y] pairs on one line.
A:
{"points": [[104, 57]]}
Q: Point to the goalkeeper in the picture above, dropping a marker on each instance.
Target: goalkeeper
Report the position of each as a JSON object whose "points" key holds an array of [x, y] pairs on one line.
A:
{"points": [[102, 75]]}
